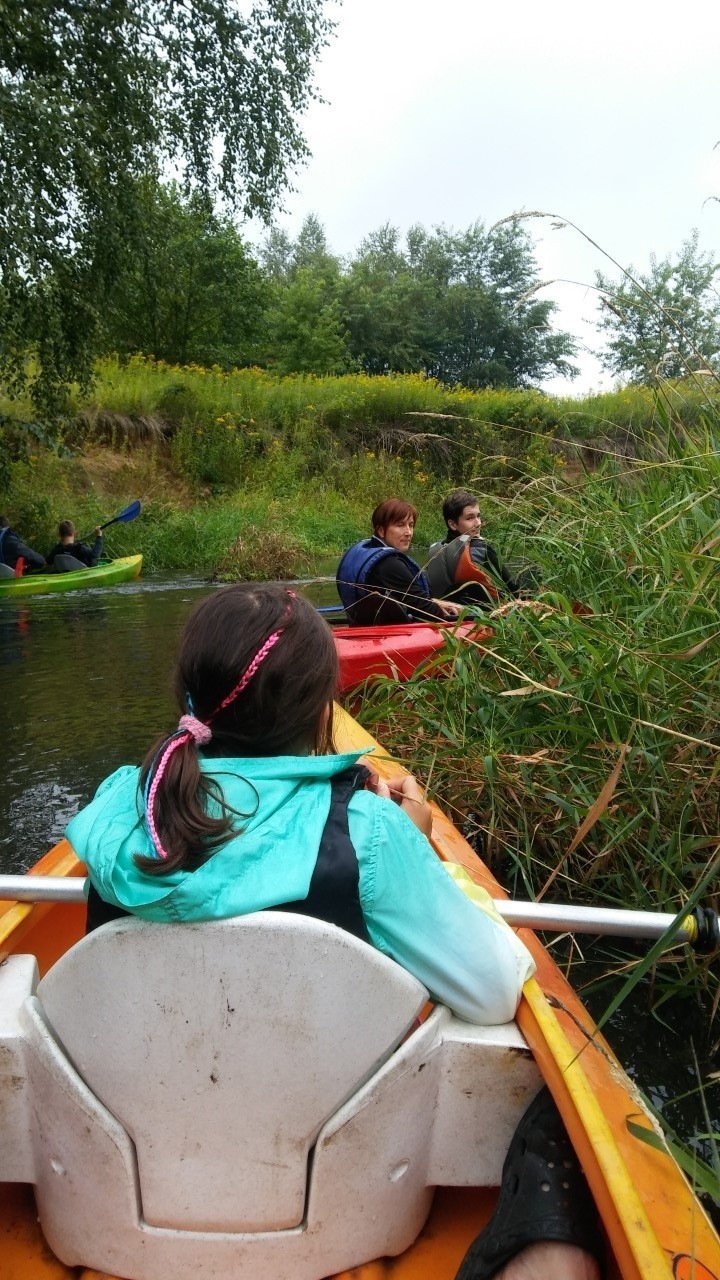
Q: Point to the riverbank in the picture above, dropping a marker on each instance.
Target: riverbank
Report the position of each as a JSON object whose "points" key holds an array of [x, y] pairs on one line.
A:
{"points": [[293, 466]]}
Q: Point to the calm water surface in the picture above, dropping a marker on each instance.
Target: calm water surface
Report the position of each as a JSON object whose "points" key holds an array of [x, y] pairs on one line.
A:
{"points": [[85, 686]]}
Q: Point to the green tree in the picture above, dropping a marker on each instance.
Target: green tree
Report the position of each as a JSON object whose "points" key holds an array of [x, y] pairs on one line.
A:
{"points": [[306, 333], [95, 95], [663, 324], [388, 306], [461, 307], [306, 330], [190, 292]]}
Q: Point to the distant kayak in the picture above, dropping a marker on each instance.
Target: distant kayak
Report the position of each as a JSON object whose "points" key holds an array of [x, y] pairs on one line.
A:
{"points": [[103, 575]]}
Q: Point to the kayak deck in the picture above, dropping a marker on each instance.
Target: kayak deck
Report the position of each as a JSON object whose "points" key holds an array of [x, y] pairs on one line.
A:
{"points": [[655, 1225], [124, 569], [395, 651]]}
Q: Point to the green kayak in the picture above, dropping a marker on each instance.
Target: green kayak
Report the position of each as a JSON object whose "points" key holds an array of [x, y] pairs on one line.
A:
{"points": [[103, 575]]}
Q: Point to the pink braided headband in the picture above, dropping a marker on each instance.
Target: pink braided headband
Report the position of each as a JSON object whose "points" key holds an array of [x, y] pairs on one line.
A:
{"points": [[191, 727]]}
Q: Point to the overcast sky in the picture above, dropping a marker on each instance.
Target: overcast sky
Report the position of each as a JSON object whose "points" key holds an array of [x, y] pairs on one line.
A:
{"points": [[448, 111]]}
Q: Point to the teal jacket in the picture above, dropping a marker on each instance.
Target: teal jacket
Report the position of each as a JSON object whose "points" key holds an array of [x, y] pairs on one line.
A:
{"points": [[413, 910]]}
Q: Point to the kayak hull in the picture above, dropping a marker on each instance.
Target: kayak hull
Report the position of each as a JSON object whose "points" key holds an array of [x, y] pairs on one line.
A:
{"points": [[125, 569], [654, 1224], [396, 651]]}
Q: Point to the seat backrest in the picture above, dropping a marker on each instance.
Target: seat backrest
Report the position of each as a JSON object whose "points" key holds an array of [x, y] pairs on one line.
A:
{"points": [[6, 571], [67, 564], [222, 1048]]}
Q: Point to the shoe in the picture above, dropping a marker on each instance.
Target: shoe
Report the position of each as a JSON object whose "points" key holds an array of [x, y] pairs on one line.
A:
{"points": [[543, 1196]]}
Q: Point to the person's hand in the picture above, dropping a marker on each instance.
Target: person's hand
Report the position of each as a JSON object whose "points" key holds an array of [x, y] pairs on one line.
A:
{"points": [[450, 610], [374, 783], [98, 532], [406, 792]]}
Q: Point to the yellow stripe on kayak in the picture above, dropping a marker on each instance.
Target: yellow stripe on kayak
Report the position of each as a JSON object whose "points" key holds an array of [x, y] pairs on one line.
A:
{"points": [[648, 1256]]}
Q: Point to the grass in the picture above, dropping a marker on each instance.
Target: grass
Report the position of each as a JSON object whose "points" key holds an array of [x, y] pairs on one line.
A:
{"points": [[590, 744]]}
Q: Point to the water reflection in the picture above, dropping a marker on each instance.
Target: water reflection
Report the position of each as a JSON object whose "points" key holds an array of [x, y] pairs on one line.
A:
{"points": [[85, 685]]}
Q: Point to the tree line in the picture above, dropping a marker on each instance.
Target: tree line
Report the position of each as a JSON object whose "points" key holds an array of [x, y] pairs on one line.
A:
{"points": [[456, 306], [99, 252], [463, 307]]}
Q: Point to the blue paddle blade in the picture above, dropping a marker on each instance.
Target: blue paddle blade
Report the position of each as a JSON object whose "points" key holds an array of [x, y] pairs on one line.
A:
{"points": [[129, 513], [125, 516]]}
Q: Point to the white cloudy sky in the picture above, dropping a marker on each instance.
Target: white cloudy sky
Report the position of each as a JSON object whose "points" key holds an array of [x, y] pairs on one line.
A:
{"points": [[448, 111]]}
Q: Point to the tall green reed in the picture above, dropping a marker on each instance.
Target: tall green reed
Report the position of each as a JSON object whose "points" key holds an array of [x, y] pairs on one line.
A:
{"points": [[587, 748]]}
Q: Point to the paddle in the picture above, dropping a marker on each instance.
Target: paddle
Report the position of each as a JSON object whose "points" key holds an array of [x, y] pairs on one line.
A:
{"points": [[468, 615], [700, 928], [124, 517]]}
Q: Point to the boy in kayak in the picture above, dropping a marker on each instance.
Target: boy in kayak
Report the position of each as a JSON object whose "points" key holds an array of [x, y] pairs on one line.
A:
{"points": [[67, 545], [378, 582], [464, 567], [12, 549]]}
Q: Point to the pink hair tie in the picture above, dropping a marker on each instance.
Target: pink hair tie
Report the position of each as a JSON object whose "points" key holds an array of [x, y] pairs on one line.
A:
{"points": [[200, 732], [249, 672], [197, 729]]}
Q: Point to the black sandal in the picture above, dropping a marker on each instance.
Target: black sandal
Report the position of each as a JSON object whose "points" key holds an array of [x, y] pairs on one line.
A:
{"points": [[543, 1196]]}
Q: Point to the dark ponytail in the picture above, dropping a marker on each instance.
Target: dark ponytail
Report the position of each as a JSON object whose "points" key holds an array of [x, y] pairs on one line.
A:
{"points": [[283, 708]]}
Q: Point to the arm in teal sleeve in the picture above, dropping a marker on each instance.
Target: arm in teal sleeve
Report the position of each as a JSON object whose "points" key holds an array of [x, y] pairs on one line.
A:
{"points": [[416, 914]]}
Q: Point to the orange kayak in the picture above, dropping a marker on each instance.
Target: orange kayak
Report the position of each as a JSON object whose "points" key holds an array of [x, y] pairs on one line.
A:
{"points": [[653, 1224]]}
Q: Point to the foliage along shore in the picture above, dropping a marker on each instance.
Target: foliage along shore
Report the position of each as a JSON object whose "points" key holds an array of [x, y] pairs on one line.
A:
{"points": [[583, 750], [292, 466]]}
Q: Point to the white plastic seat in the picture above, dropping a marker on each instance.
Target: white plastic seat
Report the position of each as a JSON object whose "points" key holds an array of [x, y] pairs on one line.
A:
{"points": [[240, 1099]]}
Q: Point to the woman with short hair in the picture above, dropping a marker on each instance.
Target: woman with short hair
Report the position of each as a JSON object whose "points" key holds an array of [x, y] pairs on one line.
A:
{"points": [[378, 581]]}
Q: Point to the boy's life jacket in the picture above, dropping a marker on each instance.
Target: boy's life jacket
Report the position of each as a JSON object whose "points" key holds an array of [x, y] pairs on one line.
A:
{"points": [[357, 563], [455, 563]]}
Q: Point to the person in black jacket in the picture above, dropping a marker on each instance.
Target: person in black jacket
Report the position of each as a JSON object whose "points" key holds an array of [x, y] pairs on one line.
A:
{"points": [[464, 567], [12, 548], [378, 582], [67, 545]]}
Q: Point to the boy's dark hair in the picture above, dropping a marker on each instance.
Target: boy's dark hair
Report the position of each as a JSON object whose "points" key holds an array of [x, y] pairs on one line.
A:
{"points": [[392, 511], [66, 529], [280, 712], [455, 504], [4, 522]]}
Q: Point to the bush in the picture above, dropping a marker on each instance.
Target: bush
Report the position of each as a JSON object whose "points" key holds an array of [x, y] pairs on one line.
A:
{"points": [[260, 555]]}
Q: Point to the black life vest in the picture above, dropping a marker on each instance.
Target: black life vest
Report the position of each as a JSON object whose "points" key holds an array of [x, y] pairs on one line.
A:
{"points": [[334, 893], [455, 564]]}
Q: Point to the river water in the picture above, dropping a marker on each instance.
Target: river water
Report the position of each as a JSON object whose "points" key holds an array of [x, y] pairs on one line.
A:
{"points": [[85, 686]]}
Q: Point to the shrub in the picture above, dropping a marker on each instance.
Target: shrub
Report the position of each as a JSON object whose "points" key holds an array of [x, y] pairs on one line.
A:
{"points": [[261, 555]]}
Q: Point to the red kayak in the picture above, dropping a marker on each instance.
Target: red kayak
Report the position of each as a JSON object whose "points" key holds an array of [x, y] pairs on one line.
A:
{"points": [[394, 651]]}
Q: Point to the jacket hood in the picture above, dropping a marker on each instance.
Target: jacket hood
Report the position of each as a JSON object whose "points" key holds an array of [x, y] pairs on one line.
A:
{"points": [[281, 803]]}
